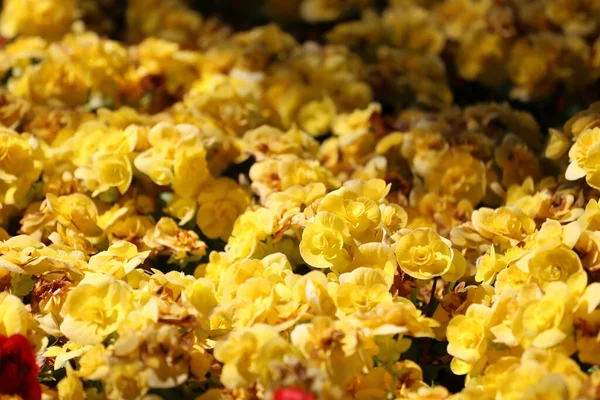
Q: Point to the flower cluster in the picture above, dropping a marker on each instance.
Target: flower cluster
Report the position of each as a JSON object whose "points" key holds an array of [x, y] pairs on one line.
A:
{"points": [[536, 47], [195, 212]]}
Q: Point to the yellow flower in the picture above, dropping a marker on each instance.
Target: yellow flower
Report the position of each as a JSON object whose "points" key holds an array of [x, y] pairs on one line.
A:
{"points": [[14, 317], [467, 340], [530, 381], [290, 202], [171, 239], [590, 220], [240, 354], [584, 158], [335, 346], [558, 144], [321, 11], [377, 256], [544, 320], [120, 259], [360, 213], [65, 353], [95, 308], [255, 302], [512, 277], [268, 142], [361, 290], [423, 254], [182, 209], [190, 169], [20, 166], [488, 267], [221, 201], [311, 289], [505, 226], [323, 242], [399, 316], [46, 18], [542, 374], [177, 157], [125, 380], [557, 264], [287, 171], [501, 319], [70, 387], [393, 217], [458, 175], [77, 212], [54, 81], [587, 325], [106, 171], [201, 294], [257, 224], [316, 116]]}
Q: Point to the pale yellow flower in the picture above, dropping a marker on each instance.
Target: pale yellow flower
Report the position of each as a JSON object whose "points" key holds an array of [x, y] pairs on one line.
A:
{"points": [[95, 308]]}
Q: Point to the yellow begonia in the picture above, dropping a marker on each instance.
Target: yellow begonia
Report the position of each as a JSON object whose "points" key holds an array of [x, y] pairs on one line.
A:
{"points": [[106, 171], [241, 354], [335, 345], [324, 241], [221, 201], [337, 258], [590, 220], [70, 387], [183, 209], [374, 189], [488, 267], [423, 254], [458, 175], [585, 158], [361, 290], [177, 157], [513, 277], [541, 374], [505, 226], [65, 353], [170, 238], [544, 319], [255, 302], [287, 171], [316, 116], [311, 289], [201, 294], [377, 256], [53, 81], [45, 18], [557, 264], [20, 166], [397, 317], [587, 325], [120, 259], [95, 308], [360, 213], [77, 212], [558, 144], [14, 316], [467, 340], [268, 142], [290, 202], [126, 380]]}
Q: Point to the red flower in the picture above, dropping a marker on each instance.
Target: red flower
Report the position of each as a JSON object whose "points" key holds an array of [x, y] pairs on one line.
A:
{"points": [[292, 394], [18, 370]]}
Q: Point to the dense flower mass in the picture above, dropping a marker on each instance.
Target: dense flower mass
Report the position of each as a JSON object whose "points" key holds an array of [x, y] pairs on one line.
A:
{"points": [[327, 199]]}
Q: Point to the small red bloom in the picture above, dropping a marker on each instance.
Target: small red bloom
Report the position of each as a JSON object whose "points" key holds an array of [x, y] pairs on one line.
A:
{"points": [[292, 394], [18, 369]]}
